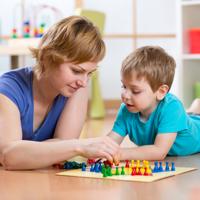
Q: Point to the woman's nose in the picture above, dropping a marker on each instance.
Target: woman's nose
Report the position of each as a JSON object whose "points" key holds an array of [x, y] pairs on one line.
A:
{"points": [[82, 82]]}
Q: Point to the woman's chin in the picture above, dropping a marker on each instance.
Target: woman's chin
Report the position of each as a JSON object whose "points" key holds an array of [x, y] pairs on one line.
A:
{"points": [[67, 93]]}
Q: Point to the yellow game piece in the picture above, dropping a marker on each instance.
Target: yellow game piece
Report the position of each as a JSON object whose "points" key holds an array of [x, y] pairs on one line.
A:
{"points": [[127, 171], [132, 163], [149, 172], [130, 171], [142, 170], [138, 164]]}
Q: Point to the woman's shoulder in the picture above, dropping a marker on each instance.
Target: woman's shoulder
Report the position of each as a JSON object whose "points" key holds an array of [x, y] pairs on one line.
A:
{"points": [[20, 78], [17, 86], [18, 74]]}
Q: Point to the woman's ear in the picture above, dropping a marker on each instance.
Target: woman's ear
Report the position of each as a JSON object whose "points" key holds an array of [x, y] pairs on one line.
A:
{"points": [[161, 92]]}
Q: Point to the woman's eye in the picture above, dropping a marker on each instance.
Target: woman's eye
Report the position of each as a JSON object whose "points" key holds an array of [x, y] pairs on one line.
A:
{"points": [[90, 74], [76, 71]]}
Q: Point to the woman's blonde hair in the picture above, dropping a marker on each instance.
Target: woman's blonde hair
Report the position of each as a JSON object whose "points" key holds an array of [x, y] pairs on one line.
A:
{"points": [[74, 39], [152, 63]]}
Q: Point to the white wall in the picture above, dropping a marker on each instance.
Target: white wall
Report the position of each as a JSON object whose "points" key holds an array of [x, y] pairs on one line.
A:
{"points": [[153, 17]]}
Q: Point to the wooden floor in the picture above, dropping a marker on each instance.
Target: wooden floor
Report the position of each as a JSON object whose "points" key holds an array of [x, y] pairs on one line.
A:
{"points": [[45, 185]]}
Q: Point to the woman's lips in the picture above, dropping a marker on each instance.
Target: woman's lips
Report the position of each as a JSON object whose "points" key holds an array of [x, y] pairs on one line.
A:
{"points": [[73, 89]]}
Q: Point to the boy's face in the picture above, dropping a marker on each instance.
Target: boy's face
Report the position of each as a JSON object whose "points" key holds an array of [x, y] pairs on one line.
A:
{"points": [[138, 95]]}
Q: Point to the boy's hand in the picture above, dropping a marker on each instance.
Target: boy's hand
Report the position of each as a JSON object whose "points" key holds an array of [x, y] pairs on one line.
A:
{"points": [[116, 158]]}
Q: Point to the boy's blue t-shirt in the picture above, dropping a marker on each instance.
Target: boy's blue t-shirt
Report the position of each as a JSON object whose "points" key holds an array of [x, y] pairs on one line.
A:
{"points": [[168, 117], [17, 86]]}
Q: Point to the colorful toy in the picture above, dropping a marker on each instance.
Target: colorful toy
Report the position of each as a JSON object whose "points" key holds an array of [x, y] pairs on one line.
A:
{"points": [[35, 19], [14, 33], [136, 172], [26, 29]]}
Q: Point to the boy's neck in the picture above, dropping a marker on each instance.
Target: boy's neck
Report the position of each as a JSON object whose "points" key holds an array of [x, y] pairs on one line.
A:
{"points": [[145, 114]]}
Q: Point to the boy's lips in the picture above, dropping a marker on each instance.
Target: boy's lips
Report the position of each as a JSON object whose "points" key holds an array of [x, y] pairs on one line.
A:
{"points": [[130, 105]]}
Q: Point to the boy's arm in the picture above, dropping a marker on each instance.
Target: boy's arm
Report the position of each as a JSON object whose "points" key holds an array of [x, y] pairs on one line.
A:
{"points": [[116, 137], [157, 151]]}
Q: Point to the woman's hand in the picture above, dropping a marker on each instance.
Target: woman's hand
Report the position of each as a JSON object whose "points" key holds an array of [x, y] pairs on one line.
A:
{"points": [[101, 147]]}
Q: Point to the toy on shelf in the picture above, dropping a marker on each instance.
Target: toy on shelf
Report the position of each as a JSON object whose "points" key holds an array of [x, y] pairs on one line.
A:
{"points": [[26, 29], [35, 19], [194, 40], [14, 33]]}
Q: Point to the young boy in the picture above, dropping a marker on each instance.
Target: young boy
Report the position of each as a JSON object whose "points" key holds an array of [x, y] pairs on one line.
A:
{"points": [[153, 118]]}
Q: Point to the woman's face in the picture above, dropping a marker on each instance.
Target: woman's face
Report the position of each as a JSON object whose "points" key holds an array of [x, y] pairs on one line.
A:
{"points": [[68, 77]]}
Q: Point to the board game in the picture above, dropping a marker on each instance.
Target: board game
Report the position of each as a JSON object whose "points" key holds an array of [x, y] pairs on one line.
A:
{"points": [[127, 176]]}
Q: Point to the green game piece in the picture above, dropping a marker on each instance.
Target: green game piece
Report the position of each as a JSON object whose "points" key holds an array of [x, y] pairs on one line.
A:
{"points": [[122, 172], [117, 171], [109, 171], [104, 172], [102, 166]]}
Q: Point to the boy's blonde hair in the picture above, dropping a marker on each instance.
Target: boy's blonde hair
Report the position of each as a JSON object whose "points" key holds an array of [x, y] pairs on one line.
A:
{"points": [[152, 63], [74, 39]]}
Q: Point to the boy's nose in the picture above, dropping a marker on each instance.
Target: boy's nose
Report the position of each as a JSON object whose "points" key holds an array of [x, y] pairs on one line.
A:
{"points": [[126, 94]]}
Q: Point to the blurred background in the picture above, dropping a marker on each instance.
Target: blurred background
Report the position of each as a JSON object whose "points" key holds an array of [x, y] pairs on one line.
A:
{"points": [[171, 24]]}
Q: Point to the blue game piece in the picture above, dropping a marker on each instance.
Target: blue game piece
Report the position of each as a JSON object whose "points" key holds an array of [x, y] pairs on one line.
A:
{"points": [[92, 168], [83, 167], [155, 169], [160, 169], [173, 167], [68, 165], [167, 166], [100, 167], [96, 167]]}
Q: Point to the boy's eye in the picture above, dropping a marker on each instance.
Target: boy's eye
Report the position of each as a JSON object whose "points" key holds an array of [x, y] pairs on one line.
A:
{"points": [[136, 92], [123, 86]]}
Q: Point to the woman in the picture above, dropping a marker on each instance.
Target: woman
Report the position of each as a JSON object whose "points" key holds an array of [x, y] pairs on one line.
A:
{"points": [[42, 109]]}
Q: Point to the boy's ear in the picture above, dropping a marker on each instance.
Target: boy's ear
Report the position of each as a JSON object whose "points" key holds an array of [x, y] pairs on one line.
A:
{"points": [[161, 92]]}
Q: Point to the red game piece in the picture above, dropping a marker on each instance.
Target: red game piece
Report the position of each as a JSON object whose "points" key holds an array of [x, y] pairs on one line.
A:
{"points": [[108, 163], [127, 164], [90, 161], [133, 171]]}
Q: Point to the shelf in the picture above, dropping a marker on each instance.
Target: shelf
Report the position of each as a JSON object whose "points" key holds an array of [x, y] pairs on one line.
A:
{"points": [[191, 56], [191, 2], [18, 46]]}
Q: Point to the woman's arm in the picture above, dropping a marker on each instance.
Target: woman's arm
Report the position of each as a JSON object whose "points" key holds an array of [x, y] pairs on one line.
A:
{"points": [[16, 153], [24, 154]]}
